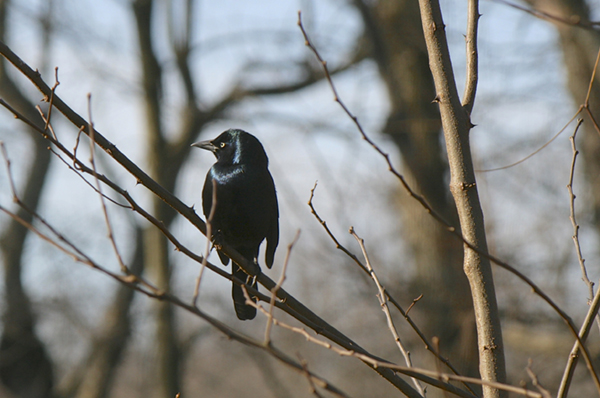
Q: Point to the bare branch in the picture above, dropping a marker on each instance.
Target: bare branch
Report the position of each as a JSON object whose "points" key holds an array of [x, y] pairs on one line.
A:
{"points": [[156, 293], [432, 27], [594, 300], [572, 21], [433, 378], [277, 287], [546, 144], [572, 217], [109, 228], [324, 224], [208, 241], [287, 302], [585, 106], [313, 388], [472, 56], [386, 310], [389, 297], [78, 173], [137, 283], [536, 383], [376, 363], [592, 80]]}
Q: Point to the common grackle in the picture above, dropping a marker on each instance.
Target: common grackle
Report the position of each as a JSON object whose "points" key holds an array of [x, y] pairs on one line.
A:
{"points": [[246, 210]]}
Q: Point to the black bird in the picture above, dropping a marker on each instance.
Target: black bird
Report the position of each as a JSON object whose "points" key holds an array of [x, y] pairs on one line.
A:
{"points": [[246, 211]]}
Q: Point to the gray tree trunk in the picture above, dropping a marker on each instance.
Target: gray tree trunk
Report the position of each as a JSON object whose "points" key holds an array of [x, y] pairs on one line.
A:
{"points": [[395, 33]]}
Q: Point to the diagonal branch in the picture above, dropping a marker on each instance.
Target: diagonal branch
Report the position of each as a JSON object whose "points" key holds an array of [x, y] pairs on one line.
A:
{"points": [[156, 293], [287, 302], [388, 296], [575, 21], [454, 116]]}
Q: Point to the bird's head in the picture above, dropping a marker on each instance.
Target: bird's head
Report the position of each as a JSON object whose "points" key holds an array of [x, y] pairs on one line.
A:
{"points": [[235, 147]]}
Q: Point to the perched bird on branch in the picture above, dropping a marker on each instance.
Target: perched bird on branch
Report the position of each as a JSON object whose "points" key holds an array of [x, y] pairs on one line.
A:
{"points": [[246, 210]]}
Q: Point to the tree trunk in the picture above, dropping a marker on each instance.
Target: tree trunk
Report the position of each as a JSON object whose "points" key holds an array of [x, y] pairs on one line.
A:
{"points": [[167, 377], [96, 378], [25, 367], [394, 30], [580, 48], [456, 124]]}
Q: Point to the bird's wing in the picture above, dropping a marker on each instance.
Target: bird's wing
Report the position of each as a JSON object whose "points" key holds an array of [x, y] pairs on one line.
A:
{"points": [[207, 193], [207, 202], [273, 233]]}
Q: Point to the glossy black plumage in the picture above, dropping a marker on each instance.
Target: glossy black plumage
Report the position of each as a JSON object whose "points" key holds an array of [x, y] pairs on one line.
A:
{"points": [[246, 211]]}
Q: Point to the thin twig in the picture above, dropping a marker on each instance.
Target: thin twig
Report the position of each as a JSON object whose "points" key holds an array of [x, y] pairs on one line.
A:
{"points": [[156, 293], [282, 278], [594, 300], [286, 302], [50, 103], [586, 103], [77, 171], [589, 93], [46, 119], [440, 382], [436, 346], [414, 302], [338, 245], [433, 378], [413, 325], [449, 227], [575, 21], [386, 310], [534, 380], [573, 357], [109, 228], [354, 119], [140, 284], [211, 214], [543, 146], [472, 56], [77, 140], [11, 181], [572, 217], [313, 388], [585, 106], [592, 313]]}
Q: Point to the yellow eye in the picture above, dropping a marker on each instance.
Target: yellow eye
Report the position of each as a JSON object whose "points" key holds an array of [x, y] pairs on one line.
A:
{"points": [[222, 145]]}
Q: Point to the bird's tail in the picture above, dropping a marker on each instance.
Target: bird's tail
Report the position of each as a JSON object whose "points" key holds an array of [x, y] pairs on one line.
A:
{"points": [[242, 310]]}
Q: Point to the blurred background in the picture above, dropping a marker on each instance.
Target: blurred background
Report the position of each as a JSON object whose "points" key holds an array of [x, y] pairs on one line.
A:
{"points": [[164, 74]]}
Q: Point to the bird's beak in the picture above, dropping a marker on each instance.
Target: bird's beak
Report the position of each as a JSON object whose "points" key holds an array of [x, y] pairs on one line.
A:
{"points": [[208, 145]]}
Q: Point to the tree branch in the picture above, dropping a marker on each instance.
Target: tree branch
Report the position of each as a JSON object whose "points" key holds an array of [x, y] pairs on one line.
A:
{"points": [[456, 125], [288, 303], [450, 228], [472, 56]]}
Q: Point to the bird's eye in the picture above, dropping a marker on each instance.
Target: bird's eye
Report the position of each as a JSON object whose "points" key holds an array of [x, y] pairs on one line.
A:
{"points": [[222, 145]]}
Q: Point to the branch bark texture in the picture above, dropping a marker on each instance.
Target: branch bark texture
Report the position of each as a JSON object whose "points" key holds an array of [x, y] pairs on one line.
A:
{"points": [[393, 29], [456, 124]]}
